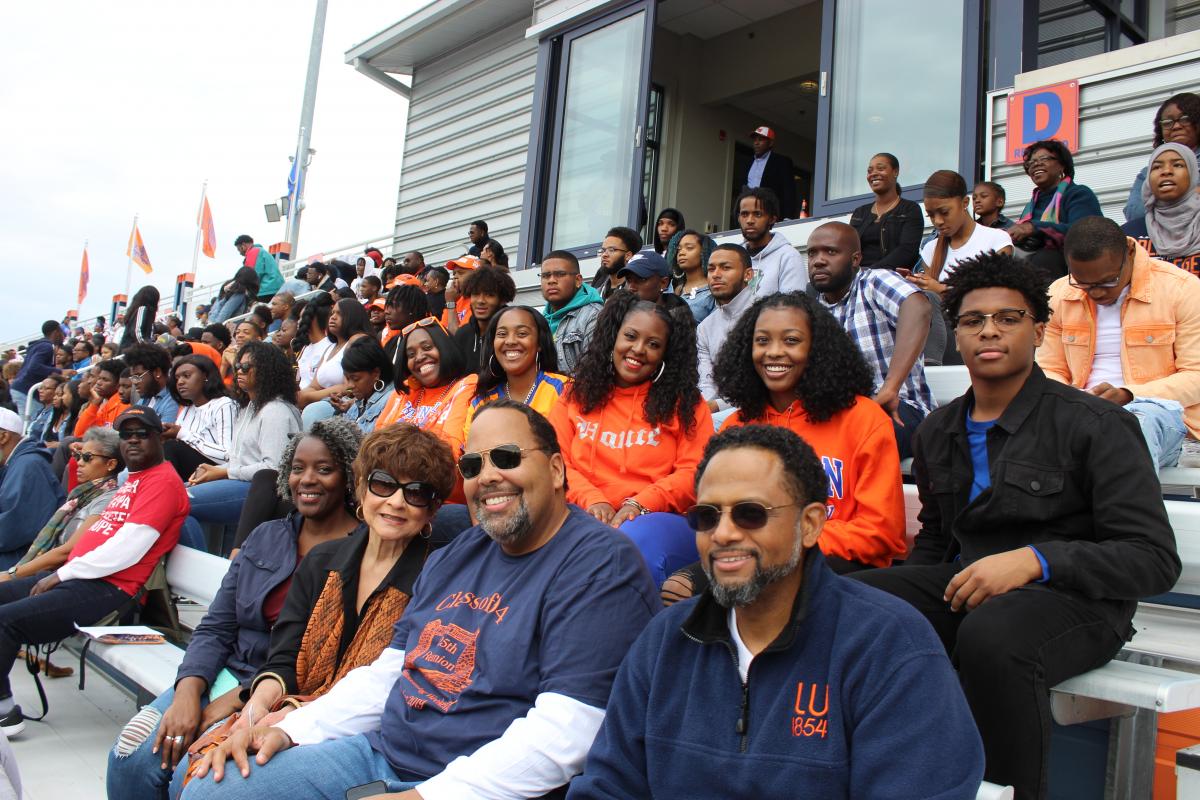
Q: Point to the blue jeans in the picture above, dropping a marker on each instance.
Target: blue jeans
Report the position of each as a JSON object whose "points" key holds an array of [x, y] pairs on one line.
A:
{"points": [[136, 773], [217, 502], [665, 541], [315, 412], [324, 770], [1162, 427], [18, 399]]}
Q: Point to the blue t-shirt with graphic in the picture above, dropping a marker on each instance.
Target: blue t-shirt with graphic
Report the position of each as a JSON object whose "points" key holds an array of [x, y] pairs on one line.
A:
{"points": [[486, 633]]}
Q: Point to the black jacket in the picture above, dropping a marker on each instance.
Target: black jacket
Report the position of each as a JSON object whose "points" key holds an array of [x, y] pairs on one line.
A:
{"points": [[900, 236], [779, 175], [1070, 474], [469, 341]]}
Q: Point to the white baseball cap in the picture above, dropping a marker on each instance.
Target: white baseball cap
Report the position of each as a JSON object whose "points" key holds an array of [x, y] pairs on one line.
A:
{"points": [[9, 421]]}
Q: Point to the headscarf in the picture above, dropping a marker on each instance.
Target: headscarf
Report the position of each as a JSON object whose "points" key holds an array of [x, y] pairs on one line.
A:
{"points": [[1174, 228]]}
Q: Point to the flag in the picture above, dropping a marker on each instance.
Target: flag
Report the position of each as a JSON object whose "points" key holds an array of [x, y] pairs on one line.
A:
{"points": [[137, 251], [83, 277], [208, 234]]}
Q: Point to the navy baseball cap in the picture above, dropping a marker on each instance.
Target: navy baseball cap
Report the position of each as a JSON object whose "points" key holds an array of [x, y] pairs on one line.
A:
{"points": [[646, 265], [142, 414]]}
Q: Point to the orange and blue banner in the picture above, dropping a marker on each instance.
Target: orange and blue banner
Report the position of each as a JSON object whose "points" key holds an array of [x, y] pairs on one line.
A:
{"points": [[137, 251], [1049, 112], [208, 234]]}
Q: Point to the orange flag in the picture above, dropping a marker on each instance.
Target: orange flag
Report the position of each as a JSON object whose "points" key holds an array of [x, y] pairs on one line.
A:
{"points": [[83, 277], [208, 234], [137, 251]]}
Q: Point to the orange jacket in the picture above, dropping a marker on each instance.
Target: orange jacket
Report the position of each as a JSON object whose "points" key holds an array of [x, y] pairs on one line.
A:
{"points": [[857, 448], [1160, 342], [612, 453], [442, 411], [102, 415]]}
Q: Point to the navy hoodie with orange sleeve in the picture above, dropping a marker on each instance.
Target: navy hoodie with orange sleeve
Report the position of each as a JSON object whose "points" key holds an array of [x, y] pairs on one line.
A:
{"points": [[613, 453]]}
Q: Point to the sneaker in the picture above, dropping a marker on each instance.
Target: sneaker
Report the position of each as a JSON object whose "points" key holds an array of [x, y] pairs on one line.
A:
{"points": [[13, 722], [1189, 455]]}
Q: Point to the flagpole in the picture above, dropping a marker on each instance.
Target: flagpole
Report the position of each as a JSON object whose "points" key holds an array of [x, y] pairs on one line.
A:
{"points": [[129, 253], [80, 303]]}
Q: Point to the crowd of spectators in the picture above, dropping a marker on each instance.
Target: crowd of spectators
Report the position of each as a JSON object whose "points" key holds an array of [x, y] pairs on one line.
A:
{"points": [[452, 518]]}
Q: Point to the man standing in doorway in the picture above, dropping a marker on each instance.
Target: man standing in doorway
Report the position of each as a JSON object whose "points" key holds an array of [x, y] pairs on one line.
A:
{"points": [[771, 170]]}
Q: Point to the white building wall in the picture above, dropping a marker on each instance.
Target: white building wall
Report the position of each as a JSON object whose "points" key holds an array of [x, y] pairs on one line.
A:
{"points": [[466, 145]]}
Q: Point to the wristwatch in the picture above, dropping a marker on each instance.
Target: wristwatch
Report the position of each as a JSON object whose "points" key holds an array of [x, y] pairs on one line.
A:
{"points": [[12, 571], [641, 509]]}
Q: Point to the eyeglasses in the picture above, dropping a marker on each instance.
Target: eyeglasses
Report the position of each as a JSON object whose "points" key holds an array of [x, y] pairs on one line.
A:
{"points": [[1169, 122], [747, 515], [1005, 319], [141, 434], [424, 322], [502, 456], [416, 493], [137, 376], [86, 458], [1112, 283], [1037, 162], [608, 251], [555, 275], [244, 368]]}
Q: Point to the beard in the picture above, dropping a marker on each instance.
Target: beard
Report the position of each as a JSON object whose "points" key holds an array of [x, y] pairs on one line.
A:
{"points": [[505, 529], [743, 594]]}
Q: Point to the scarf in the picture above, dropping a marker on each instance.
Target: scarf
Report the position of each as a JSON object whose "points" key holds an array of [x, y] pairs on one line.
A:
{"points": [[584, 295], [1050, 214], [1174, 228], [80, 497]]}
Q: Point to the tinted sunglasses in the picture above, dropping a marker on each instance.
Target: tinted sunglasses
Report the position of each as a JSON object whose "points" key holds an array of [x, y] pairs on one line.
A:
{"points": [[86, 458], [244, 367], [424, 322], [134, 433], [747, 515], [416, 493], [503, 456]]}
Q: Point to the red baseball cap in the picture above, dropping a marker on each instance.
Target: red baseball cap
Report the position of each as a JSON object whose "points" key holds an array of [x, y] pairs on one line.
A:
{"points": [[763, 130]]}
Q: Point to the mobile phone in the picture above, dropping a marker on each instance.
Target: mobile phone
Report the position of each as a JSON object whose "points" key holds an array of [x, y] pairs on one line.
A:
{"points": [[366, 790]]}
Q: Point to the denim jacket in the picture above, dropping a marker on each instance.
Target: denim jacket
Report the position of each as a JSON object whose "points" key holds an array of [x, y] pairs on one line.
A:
{"points": [[1070, 473], [234, 633]]}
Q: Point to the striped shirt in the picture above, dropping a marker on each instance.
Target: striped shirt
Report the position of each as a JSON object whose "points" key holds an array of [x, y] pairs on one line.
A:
{"points": [[869, 312], [208, 429]]}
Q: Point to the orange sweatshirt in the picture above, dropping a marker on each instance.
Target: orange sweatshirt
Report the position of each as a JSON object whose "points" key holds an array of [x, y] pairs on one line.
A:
{"points": [[102, 415], [857, 448], [442, 411], [612, 453]]}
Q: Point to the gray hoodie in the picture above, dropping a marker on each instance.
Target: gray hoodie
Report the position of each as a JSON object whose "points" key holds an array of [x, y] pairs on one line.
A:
{"points": [[778, 268]]}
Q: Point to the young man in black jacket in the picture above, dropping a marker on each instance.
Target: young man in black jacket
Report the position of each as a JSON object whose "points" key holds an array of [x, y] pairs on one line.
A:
{"points": [[1042, 522], [489, 289]]}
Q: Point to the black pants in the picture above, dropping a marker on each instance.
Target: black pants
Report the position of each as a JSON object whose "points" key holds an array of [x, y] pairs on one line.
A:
{"points": [[262, 504], [911, 416], [184, 458], [1008, 652], [49, 616]]}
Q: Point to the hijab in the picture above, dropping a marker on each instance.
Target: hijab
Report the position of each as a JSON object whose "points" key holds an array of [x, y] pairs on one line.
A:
{"points": [[1174, 228]]}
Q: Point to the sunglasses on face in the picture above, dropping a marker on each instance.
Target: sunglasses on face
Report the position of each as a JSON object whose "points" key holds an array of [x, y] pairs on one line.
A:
{"points": [[244, 368], [86, 458], [142, 434], [504, 456], [747, 515], [416, 493]]}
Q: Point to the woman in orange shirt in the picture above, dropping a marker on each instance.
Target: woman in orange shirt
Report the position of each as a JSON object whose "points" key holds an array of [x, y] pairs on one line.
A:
{"points": [[429, 382], [632, 428], [788, 362]]}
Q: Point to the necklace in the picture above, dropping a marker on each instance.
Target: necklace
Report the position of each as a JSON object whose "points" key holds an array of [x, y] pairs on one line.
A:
{"points": [[421, 397], [532, 389]]}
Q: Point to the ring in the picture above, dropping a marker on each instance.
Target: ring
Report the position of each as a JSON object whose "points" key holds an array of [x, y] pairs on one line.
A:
{"points": [[177, 739]]}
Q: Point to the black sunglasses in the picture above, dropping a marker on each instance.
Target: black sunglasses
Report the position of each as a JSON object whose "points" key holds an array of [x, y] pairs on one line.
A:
{"points": [[86, 458], [747, 515], [244, 367], [503, 456], [134, 433], [416, 493]]}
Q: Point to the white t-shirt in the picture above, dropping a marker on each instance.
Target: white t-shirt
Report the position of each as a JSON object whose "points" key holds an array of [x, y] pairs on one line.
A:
{"points": [[309, 360], [983, 239], [744, 654], [1106, 361]]}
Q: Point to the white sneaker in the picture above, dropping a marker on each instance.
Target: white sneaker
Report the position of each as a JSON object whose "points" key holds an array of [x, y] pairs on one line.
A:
{"points": [[1189, 455]]}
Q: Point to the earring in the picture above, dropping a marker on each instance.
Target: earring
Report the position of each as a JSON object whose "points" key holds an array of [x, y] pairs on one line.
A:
{"points": [[379, 385], [492, 369], [661, 367], [358, 512], [427, 531], [537, 362]]}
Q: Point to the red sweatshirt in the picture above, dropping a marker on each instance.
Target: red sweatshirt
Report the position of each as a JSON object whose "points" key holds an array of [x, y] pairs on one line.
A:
{"points": [[612, 453], [857, 448]]}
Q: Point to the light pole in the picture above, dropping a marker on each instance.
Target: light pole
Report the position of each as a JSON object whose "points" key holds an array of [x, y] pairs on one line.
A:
{"points": [[303, 155]]}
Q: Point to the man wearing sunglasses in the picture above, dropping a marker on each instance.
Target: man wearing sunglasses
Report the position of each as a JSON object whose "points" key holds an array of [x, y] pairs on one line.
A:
{"points": [[782, 679], [110, 563], [496, 679], [1042, 521], [1126, 327]]}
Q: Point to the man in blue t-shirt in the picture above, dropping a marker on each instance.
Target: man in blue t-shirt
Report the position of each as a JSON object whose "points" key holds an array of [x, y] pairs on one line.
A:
{"points": [[499, 672]]}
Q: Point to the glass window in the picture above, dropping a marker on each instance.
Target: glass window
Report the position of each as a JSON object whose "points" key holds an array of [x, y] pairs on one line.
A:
{"points": [[899, 92], [595, 162]]}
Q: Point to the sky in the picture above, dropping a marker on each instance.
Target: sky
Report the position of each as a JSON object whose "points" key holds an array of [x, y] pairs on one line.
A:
{"points": [[123, 108]]}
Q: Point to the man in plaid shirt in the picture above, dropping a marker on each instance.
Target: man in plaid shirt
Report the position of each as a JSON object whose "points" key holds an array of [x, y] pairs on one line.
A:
{"points": [[886, 316]]}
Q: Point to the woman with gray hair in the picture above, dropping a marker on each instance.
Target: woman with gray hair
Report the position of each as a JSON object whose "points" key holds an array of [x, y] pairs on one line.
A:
{"points": [[231, 643], [99, 462]]}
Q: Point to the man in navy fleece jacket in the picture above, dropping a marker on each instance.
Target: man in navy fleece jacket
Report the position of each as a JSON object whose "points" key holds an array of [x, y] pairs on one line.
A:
{"points": [[783, 679]]}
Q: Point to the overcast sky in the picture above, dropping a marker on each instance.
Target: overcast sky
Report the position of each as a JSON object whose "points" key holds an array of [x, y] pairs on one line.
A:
{"points": [[111, 109]]}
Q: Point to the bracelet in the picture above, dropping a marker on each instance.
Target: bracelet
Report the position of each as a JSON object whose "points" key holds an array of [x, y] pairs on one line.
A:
{"points": [[641, 509]]}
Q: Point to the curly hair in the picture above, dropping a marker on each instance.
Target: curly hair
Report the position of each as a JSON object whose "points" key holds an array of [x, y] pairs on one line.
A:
{"points": [[342, 437], [1056, 149], [489, 280], [547, 355], [675, 394], [148, 356], [834, 377], [274, 378], [996, 270], [318, 308], [805, 477], [1188, 104], [405, 451]]}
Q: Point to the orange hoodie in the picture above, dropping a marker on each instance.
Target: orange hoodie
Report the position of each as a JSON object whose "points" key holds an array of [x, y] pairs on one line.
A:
{"points": [[857, 448], [612, 453], [101, 416]]}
